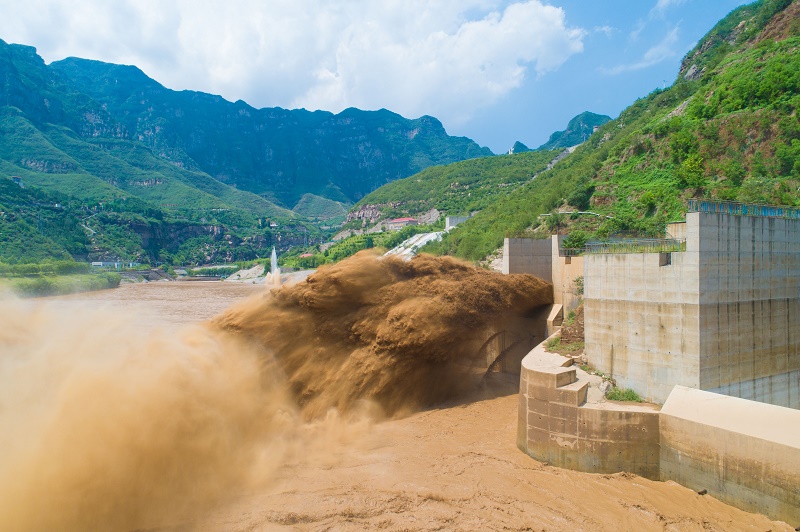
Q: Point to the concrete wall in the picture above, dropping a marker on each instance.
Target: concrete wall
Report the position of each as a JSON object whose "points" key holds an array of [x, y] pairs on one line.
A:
{"points": [[565, 271], [743, 452], [528, 255], [540, 257], [641, 320], [749, 306], [452, 221], [556, 424], [676, 230], [724, 315]]}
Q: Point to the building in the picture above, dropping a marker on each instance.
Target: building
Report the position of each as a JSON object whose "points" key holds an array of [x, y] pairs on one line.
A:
{"points": [[715, 307], [399, 223], [115, 264]]}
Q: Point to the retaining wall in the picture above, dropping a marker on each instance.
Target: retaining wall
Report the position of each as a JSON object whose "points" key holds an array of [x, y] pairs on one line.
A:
{"points": [[641, 320], [559, 426], [565, 271], [743, 452], [749, 299]]}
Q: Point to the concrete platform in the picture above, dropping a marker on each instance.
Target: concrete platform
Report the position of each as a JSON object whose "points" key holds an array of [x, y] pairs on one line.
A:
{"points": [[743, 452]]}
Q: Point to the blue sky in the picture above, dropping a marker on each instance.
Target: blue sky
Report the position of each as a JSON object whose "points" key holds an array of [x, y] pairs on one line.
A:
{"points": [[493, 70], [631, 47]]}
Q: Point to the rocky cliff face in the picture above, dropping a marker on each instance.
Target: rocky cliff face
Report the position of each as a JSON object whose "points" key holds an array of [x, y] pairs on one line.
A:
{"points": [[370, 213]]}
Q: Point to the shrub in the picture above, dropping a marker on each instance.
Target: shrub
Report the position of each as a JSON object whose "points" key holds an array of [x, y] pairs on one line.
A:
{"points": [[113, 279], [619, 394], [576, 239], [581, 198], [579, 285]]}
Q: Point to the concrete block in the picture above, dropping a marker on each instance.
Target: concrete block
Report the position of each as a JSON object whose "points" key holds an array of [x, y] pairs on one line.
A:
{"points": [[537, 406], [558, 426], [537, 437], [559, 411], [550, 377], [539, 421], [540, 393]]}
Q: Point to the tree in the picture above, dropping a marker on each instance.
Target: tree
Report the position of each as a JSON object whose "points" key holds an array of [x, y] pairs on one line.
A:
{"points": [[692, 172]]}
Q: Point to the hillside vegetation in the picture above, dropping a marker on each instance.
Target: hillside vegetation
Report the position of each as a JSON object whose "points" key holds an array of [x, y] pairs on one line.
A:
{"points": [[143, 173], [727, 129], [459, 188], [280, 153]]}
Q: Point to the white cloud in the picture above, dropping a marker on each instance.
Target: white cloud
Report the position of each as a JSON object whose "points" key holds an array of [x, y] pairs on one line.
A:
{"points": [[608, 31], [447, 58], [662, 51], [663, 5], [658, 11], [640, 26]]}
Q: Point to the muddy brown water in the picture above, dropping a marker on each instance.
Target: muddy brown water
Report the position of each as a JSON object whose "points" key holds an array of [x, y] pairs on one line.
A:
{"points": [[453, 467]]}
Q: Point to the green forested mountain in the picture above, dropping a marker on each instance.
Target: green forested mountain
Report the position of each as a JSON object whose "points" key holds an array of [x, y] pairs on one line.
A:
{"points": [[37, 225], [456, 189], [273, 152], [727, 129], [578, 130], [468, 186], [166, 175], [518, 147]]}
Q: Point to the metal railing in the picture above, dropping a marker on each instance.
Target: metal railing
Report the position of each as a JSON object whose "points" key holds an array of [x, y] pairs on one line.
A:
{"points": [[571, 252], [744, 209], [636, 245]]}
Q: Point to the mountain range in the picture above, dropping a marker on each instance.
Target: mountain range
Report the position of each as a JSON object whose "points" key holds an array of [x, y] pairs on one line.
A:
{"points": [[171, 175], [98, 161]]}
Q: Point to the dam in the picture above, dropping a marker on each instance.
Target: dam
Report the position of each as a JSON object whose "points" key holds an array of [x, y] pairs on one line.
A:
{"points": [[705, 323]]}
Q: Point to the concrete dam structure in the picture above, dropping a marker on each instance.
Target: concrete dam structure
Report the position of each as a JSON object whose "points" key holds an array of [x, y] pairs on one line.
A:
{"points": [[722, 316], [707, 324], [742, 452]]}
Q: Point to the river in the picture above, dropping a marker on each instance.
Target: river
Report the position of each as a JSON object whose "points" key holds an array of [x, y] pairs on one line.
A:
{"points": [[455, 467], [174, 303]]}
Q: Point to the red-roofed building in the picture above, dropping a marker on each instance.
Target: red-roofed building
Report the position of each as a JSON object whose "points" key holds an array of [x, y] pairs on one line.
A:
{"points": [[399, 223]]}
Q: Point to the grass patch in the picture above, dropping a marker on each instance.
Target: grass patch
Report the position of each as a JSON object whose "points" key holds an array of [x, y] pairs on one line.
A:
{"points": [[619, 394], [553, 343], [557, 346]]}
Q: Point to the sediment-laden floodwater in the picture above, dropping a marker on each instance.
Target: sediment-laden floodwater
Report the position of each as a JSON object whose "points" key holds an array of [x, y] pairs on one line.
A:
{"points": [[126, 409]]}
